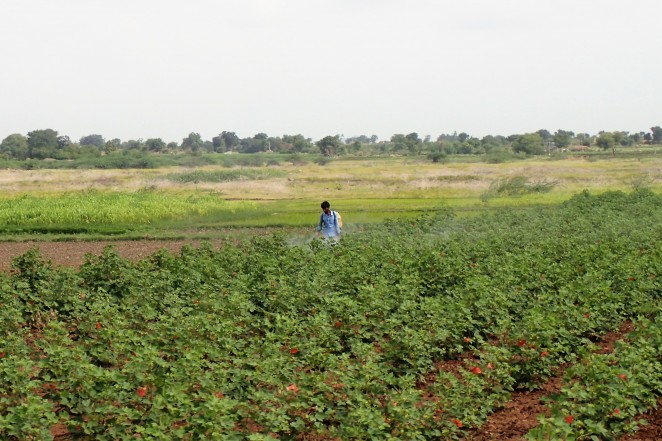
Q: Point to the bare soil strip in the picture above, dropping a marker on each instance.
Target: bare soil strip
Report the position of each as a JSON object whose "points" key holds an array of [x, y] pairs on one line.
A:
{"points": [[72, 254], [520, 414]]}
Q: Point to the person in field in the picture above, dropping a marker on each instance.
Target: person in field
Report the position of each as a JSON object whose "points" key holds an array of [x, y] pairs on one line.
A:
{"points": [[329, 223]]}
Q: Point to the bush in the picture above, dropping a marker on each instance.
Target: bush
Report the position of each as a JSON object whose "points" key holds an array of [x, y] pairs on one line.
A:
{"points": [[518, 186], [437, 157]]}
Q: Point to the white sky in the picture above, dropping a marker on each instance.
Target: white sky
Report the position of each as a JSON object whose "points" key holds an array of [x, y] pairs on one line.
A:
{"points": [[134, 69]]}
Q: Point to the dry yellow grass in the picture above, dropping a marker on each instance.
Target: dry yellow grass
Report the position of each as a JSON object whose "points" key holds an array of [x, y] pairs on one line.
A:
{"points": [[382, 178]]}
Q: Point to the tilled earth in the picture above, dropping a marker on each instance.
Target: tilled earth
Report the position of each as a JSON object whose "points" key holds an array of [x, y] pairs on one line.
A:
{"points": [[510, 423], [73, 254]]}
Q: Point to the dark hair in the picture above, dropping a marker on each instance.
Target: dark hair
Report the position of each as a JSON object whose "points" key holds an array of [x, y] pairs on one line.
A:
{"points": [[325, 204]]}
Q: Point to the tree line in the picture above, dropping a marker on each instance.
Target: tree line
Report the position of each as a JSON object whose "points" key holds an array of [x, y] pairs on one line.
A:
{"points": [[48, 143]]}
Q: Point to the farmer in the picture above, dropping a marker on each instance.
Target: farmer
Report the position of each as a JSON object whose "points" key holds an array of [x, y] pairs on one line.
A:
{"points": [[329, 224]]}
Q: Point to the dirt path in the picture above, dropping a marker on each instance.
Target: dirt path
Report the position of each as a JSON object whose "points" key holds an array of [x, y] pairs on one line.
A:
{"points": [[520, 414], [72, 254]]}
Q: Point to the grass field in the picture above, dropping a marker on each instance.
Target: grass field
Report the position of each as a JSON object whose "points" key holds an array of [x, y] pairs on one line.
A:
{"points": [[205, 200]]}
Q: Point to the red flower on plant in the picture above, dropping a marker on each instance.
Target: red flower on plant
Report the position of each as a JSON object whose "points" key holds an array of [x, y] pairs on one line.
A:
{"points": [[338, 323], [490, 366], [569, 419], [544, 354], [521, 343], [476, 370], [467, 340], [631, 279], [616, 412], [457, 422], [98, 325], [218, 395], [294, 351], [293, 388], [623, 377], [141, 391]]}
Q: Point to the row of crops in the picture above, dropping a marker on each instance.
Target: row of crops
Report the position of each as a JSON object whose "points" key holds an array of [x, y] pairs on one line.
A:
{"points": [[102, 208], [412, 330]]}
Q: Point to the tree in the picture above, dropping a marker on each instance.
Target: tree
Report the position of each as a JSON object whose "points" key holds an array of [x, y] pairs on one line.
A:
{"points": [[63, 142], [133, 144], [648, 137], [110, 146], [399, 142], [657, 134], [276, 144], [584, 139], [355, 147], [42, 143], [437, 157], [192, 142], [463, 137], [635, 138], [606, 141], [562, 138], [225, 141], [218, 143], [258, 143], [544, 134], [297, 143], [95, 140], [65, 148], [449, 146], [530, 143], [155, 145], [471, 146], [489, 143], [619, 137], [447, 137], [329, 145], [413, 142], [361, 138], [15, 146]]}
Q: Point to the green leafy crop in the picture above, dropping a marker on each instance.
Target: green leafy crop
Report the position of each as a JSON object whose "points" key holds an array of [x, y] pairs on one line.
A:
{"points": [[415, 329]]}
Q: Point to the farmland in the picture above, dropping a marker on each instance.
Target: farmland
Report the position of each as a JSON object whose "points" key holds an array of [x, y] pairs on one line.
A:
{"points": [[421, 323], [204, 202]]}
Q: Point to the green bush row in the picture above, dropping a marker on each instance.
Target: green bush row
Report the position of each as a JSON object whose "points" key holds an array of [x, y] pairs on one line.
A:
{"points": [[415, 329], [604, 393]]}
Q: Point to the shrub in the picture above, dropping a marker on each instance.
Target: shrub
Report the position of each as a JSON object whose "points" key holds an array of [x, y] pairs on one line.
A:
{"points": [[518, 186]]}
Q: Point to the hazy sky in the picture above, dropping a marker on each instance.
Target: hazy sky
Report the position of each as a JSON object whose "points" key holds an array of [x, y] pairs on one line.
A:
{"points": [[134, 69]]}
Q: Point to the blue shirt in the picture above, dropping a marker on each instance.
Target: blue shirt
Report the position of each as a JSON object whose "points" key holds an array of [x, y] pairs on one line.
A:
{"points": [[328, 224]]}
